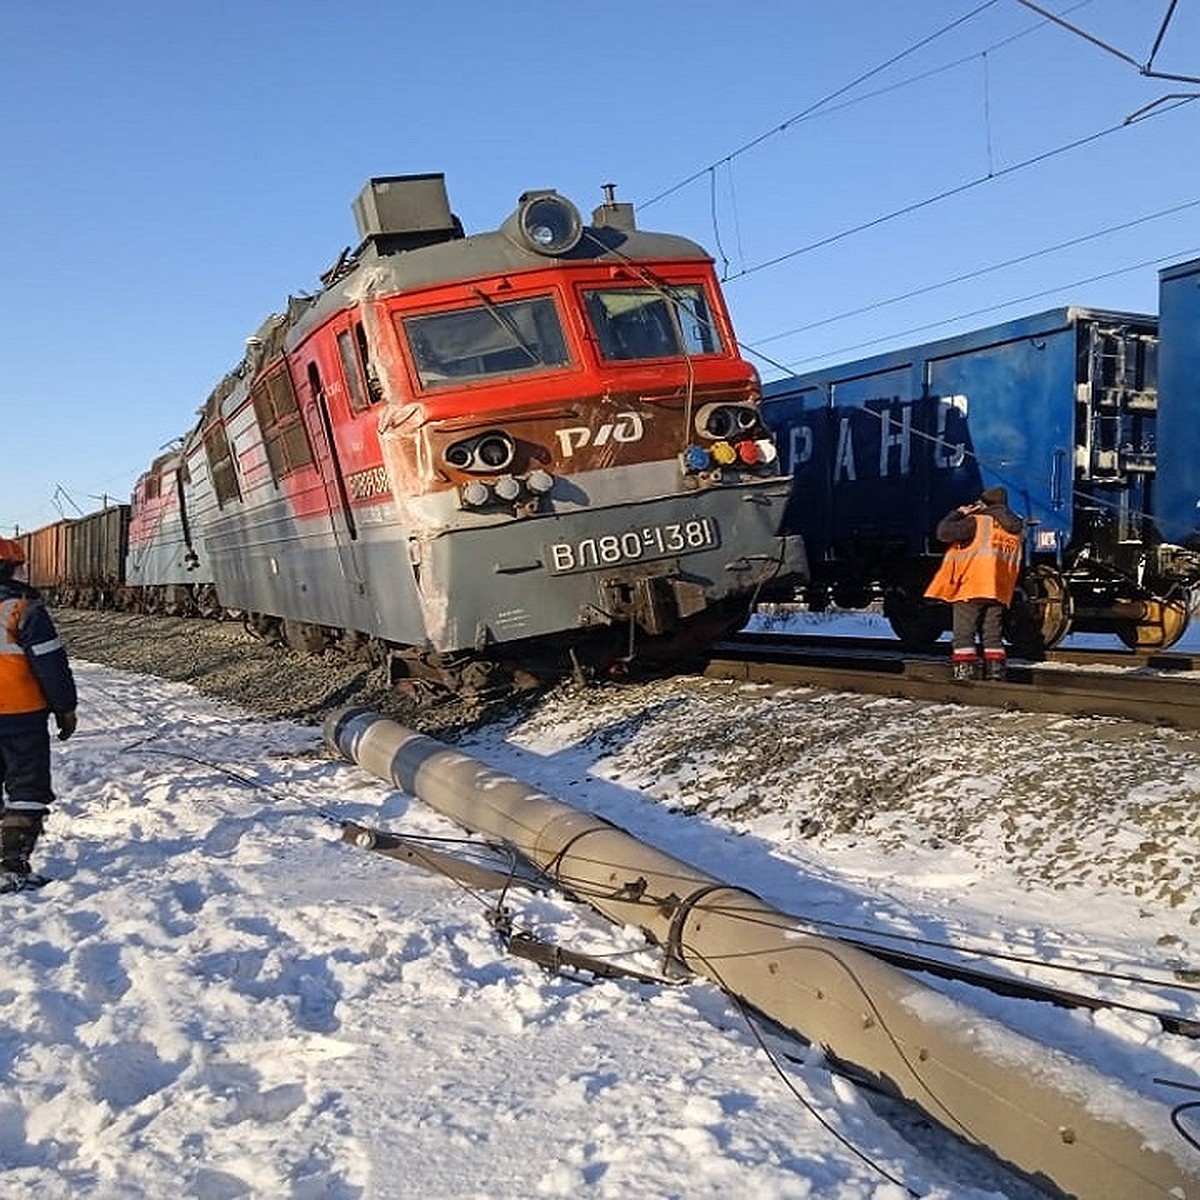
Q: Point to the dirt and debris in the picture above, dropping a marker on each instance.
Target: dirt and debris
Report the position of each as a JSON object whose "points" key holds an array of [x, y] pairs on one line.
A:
{"points": [[222, 659]]}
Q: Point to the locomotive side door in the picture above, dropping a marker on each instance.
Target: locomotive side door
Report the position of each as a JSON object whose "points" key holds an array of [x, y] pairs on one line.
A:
{"points": [[341, 516]]}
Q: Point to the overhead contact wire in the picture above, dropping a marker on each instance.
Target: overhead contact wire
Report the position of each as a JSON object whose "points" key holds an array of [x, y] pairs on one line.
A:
{"points": [[762, 137], [946, 194], [966, 276], [1175, 256]]}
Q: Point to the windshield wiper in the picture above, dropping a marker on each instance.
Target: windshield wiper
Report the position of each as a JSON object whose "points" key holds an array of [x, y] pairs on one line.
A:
{"points": [[505, 322]]}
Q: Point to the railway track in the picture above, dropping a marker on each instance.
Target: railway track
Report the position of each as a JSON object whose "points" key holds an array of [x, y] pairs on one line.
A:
{"points": [[1159, 689]]}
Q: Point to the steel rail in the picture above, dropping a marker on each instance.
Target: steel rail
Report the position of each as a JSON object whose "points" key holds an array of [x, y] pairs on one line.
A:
{"points": [[1153, 698]]}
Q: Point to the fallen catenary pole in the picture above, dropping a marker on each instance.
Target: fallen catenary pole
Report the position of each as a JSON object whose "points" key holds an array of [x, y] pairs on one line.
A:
{"points": [[1048, 1115]]}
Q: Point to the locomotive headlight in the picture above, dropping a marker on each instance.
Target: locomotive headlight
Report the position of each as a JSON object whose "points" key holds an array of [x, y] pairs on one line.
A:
{"points": [[767, 451], [507, 488], [545, 222], [723, 453], [489, 452], [719, 423], [475, 494], [726, 420], [494, 451]]}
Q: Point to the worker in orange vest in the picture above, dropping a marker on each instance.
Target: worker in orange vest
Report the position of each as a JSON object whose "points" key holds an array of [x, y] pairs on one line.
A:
{"points": [[35, 681], [977, 578]]}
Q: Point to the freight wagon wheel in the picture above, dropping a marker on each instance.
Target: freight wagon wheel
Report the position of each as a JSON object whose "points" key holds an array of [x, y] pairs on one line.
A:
{"points": [[918, 625], [1041, 612], [1162, 625]]}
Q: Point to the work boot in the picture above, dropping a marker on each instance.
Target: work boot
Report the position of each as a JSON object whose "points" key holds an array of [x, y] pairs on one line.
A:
{"points": [[964, 669], [18, 837]]}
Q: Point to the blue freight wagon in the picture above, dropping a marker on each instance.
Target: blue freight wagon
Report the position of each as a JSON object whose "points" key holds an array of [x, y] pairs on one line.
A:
{"points": [[1084, 416], [1178, 487]]}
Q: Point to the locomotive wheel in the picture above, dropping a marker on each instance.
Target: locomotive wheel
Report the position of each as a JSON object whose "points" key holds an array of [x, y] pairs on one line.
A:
{"points": [[207, 603], [1162, 625], [916, 624], [1041, 612], [303, 636], [265, 628], [176, 600]]}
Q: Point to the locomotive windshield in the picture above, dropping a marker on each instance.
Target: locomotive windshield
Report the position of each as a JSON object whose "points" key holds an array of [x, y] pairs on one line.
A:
{"points": [[486, 339], [652, 322]]}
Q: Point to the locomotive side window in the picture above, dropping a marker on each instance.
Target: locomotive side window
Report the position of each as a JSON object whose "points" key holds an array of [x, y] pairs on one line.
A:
{"points": [[632, 323], [278, 415], [220, 464], [487, 339], [358, 369]]}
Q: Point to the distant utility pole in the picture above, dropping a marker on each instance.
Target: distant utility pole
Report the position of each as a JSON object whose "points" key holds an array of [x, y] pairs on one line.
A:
{"points": [[59, 490]]}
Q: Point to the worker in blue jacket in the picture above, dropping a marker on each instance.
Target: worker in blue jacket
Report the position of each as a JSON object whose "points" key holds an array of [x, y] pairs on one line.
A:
{"points": [[35, 681]]}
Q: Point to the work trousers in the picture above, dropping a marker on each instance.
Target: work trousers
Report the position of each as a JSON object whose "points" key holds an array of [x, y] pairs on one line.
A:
{"points": [[978, 618], [25, 764]]}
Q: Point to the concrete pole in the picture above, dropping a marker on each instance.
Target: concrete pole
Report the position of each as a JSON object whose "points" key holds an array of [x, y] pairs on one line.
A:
{"points": [[1046, 1114]]}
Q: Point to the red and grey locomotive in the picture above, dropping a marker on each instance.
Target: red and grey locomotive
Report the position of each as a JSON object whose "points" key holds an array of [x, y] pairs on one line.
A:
{"points": [[468, 451]]}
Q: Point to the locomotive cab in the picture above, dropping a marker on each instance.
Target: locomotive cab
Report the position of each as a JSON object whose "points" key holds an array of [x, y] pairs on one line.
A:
{"points": [[587, 417]]}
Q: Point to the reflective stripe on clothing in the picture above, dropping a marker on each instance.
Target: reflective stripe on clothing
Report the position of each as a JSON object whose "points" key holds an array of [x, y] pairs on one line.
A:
{"points": [[20, 691], [11, 612], [985, 568]]}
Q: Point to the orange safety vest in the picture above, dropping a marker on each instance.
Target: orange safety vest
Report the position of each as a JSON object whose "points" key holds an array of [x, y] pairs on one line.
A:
{"points": [[985, 568], [20, 691]]}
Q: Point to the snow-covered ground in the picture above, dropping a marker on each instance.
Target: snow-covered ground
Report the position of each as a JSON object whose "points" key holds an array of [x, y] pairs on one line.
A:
{"points": [[217, 998]]}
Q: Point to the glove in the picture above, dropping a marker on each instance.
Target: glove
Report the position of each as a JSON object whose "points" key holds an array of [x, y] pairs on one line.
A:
{"points": [[66, 724]]}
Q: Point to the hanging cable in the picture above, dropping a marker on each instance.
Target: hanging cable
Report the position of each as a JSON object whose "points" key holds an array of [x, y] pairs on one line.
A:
{"points": [[1178, 1111], [712, 202], [817, 104], [951, 1121]]}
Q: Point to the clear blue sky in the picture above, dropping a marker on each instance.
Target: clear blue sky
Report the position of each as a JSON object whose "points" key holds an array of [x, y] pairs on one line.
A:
{"points": [[170, 172]]}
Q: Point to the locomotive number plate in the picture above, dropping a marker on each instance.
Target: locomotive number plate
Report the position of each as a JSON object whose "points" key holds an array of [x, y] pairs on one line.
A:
{"points": [[634, 545]]}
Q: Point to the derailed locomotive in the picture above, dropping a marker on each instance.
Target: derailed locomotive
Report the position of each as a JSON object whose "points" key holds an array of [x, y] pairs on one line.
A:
{"points": [[1088, 418], [469, 452]]}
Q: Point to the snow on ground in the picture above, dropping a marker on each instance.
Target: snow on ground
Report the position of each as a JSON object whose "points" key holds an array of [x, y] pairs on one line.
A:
{"points": [[217, 998]]}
